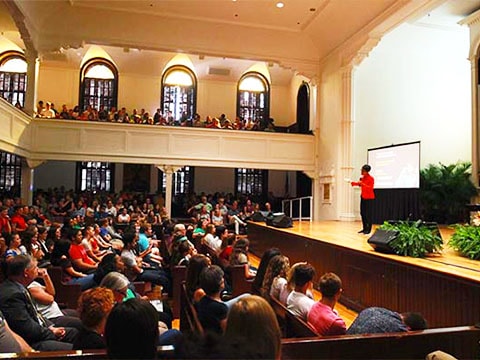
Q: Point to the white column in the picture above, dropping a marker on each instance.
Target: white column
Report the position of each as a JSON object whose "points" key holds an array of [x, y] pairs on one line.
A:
{"points": [[28, 180], [475, 120], [33, 65], [168, 170], [344, 189], [118, 178]]}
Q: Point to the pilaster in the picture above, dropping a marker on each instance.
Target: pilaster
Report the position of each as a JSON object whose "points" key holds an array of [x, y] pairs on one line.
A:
{"points": [[345, 194]]}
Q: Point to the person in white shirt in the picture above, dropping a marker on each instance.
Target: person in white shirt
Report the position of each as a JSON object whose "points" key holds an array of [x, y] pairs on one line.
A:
{"points": [[47, 112], [298, 302], [212, 241]]}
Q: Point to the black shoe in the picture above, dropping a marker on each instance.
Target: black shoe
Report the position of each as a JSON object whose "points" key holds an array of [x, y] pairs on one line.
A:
{"points": [[361, 231]]}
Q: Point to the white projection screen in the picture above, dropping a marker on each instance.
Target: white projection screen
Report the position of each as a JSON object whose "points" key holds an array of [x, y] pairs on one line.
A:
{"points": [[396, 166]]}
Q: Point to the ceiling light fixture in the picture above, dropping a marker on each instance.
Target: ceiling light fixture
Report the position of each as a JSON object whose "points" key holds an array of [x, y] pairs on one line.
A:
{"points": [[280, 5]]}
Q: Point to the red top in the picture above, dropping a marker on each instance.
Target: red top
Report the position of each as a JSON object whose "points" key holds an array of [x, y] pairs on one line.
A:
{"points": [[78, 252], [366, 183], [325, 320], [19, 221]]}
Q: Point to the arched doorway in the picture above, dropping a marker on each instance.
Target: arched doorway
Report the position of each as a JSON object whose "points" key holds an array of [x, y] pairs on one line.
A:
{"points": [[303, 109], [304, 183]]}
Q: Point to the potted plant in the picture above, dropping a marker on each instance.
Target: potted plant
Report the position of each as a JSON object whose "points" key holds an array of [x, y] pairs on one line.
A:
{"points": [[414, 238], [466, 239], [444, 192]]}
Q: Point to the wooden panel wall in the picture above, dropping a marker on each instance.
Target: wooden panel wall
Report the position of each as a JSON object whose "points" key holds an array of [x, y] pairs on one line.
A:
{"points": [[370, 280]]}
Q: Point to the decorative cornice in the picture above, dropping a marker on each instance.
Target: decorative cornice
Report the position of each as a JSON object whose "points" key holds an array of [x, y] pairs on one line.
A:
{"points": [[471, 19]]}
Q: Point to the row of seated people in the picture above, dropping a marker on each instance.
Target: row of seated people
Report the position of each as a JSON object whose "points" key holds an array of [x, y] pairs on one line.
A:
{"points": [[85, 264], [123, 209], [48, 110], [234, 335]]}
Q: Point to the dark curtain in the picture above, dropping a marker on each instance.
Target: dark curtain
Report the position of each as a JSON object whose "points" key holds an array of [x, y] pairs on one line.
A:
{"points": [[396, 204]]}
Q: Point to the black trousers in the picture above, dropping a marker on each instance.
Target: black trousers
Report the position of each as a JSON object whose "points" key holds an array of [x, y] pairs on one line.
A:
{"points": [[366, 210]]}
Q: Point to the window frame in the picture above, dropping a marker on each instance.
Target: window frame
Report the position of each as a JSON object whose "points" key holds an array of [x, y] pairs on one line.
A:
{"points": [[193, 87], [84, 69], [12, 167], [245, 176], [103, 169], [266, 109], [21, 80], [177, 181]]}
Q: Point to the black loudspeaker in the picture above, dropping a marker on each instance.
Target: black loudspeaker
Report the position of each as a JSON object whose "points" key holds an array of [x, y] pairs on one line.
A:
{"points": [[381, 239], [258, 217], [281, 221]]}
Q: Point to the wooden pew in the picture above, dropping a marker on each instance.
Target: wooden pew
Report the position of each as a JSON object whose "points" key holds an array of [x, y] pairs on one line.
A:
{"points": [[240, 284], [179, 274], [291, 325], [461, 342], [65, 294], [189, 322], [296, 327], [163, 352]]}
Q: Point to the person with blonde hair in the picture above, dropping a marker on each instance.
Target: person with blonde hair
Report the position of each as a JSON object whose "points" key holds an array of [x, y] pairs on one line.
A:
{"points": [[275, 282], [94, 306], [262, 341]]}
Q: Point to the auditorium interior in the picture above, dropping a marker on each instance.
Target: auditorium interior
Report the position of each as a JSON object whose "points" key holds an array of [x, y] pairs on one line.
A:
{"points": [[334, 77]]}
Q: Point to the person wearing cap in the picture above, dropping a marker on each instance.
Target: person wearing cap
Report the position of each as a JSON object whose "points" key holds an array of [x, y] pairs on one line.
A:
{"points": [[367, 196]]}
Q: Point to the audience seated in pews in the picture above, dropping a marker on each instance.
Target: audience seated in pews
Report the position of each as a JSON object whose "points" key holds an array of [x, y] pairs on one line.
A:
{"points": [[375, 320], [322, 316], [18, 308], [137, 270], [11, 342], [44, 299], [94, 306], [212, 312], [299, 302], [262, 268], [275, 284], [243, 340], [131, 330], [239, 256], [61, 257], [47, 110]]}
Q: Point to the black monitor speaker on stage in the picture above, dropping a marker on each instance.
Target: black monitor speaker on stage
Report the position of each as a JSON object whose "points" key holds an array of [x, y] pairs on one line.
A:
{"points": [[381, 239], [279, 220]]}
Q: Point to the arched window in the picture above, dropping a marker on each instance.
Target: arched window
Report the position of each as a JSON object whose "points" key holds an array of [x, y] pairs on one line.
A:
{"points": [[253, 98], [13, 77], [179, 93], [98, 84], [95, 176]]}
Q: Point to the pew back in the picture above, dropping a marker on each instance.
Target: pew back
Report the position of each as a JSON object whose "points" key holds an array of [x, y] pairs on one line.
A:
{"points": [[461, 342]]}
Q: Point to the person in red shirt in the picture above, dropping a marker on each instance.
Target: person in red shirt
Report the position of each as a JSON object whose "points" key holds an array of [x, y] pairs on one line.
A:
{"points": [[18, 221], [366, 183], [322, 316], [78, 254], [5, 226]]}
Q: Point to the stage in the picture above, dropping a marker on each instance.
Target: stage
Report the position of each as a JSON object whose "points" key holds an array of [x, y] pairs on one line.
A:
{"points": [[444, 288]]}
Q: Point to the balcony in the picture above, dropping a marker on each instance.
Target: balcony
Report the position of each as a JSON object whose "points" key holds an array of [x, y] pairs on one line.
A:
{"points": [[72, 140]]}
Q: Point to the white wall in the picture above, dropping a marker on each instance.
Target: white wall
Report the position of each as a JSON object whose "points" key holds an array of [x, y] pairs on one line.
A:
{"points": [[415, 85], [210, 180], [53, 174], [60, 85]]}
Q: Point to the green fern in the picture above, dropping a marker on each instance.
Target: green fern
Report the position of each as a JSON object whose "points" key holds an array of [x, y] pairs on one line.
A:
{"points": [[466, 240], [414, 239]]}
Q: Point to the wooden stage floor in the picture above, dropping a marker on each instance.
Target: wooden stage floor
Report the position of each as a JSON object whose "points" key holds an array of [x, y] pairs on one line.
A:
{"points": [[345, 234]]}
